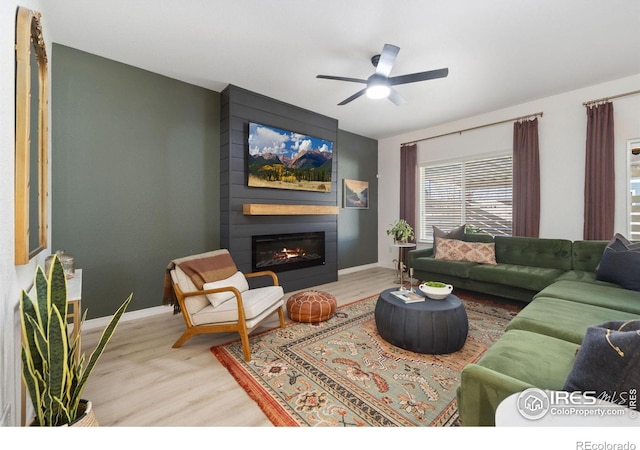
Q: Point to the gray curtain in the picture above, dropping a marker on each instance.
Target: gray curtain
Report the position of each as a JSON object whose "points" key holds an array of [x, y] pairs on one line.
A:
{"points": [[526, 179], [599, 180], [408, 166]]}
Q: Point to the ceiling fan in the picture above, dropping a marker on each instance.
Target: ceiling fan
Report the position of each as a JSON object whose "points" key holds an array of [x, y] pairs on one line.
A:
{"points": [[380, 84]]}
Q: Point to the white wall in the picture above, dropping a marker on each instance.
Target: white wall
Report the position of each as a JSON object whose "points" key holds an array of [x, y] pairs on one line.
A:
{"points": [[12, 278], [562, 135]]}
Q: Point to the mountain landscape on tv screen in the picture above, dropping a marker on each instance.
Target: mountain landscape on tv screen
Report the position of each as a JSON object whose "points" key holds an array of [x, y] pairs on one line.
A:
{"points": [[287, 160]]}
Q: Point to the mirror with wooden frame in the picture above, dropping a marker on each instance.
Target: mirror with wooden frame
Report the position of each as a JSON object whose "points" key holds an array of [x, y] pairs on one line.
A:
{"points": [[32, 100]]}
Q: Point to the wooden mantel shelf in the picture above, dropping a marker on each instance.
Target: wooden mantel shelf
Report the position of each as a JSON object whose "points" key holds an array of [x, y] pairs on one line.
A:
{"points": [[261, 209]]}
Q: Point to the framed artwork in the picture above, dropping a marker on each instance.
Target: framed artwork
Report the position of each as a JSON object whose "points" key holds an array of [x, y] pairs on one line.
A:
{"points": [[355, 194]]}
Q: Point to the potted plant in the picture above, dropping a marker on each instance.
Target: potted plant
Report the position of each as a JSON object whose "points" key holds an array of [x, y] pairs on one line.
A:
{"points": [[54, 373], [401, 231]]}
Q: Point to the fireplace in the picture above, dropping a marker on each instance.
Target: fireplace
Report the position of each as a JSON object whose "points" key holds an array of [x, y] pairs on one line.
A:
{"points": [[281, 252]]}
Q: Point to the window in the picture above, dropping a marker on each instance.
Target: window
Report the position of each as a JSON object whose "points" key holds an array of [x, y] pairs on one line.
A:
{"points": [[477, 192], [634, 190]]}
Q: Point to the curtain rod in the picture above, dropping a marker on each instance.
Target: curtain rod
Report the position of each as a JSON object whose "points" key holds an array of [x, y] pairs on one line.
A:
{"points": [[604, 99], [515, 119]]}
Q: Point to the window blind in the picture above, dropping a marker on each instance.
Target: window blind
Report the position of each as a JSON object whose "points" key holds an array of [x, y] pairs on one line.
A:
{"points": [[478, 193]]}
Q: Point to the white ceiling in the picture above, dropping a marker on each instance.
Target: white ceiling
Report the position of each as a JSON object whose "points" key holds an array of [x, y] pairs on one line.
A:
{"points": [[499, 52]]}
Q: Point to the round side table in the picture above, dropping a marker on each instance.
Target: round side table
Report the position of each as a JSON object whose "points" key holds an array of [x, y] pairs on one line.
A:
{"points": [[400, 267], [431, 326]]}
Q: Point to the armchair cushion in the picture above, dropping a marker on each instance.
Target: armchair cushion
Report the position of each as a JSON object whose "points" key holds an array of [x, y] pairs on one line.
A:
{"points": [[257, 302], [236, 280]]}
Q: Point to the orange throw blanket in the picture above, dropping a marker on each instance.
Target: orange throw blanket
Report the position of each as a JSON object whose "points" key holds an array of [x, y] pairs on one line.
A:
{"points": [[201, 269]]}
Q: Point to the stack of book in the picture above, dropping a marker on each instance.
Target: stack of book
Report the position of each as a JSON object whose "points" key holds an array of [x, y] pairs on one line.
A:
{"points": [[408, 296]]}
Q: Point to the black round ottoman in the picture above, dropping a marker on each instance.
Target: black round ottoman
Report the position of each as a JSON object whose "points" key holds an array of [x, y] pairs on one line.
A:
{"points": [[432, 326]]}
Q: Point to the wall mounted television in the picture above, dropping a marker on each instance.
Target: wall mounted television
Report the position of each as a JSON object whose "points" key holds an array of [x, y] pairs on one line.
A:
{"points": [[282, 159]]}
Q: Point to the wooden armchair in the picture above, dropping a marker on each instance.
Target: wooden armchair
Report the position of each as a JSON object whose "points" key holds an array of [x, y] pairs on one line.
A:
{"points": [[214, 297]]}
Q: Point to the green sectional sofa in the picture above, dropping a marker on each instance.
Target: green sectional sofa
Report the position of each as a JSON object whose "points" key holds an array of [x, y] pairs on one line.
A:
{"points": [[524, 266], [556, 279]]}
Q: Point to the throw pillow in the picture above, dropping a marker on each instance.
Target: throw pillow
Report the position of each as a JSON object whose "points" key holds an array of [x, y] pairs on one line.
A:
{"points": [[607, 364], [620, 263], [236, 280], [456, 233], [457, 250]]}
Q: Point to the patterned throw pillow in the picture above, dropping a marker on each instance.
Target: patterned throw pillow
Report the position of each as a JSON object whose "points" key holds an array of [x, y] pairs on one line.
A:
{"points": [[456, 250], [456, 233]]}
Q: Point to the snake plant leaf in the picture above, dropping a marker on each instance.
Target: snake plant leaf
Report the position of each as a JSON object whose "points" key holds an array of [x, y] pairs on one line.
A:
{"points": [[41, 286], [30, 379], [28, 309], [102, 343], [58, 288], [58, 354]]}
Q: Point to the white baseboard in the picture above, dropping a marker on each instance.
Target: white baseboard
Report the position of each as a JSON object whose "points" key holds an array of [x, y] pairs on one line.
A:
{"points": [[357, 268], [148, 312]]}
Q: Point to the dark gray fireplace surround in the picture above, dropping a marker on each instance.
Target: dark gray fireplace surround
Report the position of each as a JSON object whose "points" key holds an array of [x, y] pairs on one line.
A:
{"points": [[238, 107]]}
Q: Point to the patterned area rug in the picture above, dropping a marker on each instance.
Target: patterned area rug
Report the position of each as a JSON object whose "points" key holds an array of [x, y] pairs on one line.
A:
{"points": [[342, 373]]}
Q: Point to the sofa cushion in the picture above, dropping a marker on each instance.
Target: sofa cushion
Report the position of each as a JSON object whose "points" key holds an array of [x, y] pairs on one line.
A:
{"points": [[536, 359], [620, 263], [256, 302], [456, 233], [459, 269], [536, 252], [587, 254], [594, 294], [457, 250], [517, 361], [562, 319], [477, 237], [533, 278], [584, 276], [608, 362]]}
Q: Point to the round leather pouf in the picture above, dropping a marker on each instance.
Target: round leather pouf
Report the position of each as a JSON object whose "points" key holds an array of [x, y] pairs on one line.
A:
{"points": [[311, 306]]}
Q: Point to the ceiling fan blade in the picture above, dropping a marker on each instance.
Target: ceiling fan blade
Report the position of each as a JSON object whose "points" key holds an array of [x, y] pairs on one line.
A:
{"points": [[396, 98], [420, 76], [353, 97], [387, 59], [331, 77]]}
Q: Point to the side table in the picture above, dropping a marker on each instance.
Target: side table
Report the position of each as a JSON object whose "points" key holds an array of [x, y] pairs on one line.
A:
{"points": [[401, 249]]}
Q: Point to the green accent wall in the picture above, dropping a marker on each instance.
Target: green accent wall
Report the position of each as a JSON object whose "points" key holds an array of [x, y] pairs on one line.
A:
{"points": [[135, 175], [357, 228], [135, 178]]}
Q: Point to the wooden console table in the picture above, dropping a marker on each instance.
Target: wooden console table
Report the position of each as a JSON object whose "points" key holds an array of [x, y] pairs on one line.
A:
{"points": [[74, 296]]}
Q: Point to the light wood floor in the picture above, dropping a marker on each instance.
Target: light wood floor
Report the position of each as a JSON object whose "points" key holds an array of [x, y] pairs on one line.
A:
{"points": [[141, 381]]}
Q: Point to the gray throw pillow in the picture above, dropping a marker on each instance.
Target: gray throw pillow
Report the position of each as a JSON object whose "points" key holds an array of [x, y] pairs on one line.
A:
{"points": [[620, 263], [456, 233], [607, 365]]}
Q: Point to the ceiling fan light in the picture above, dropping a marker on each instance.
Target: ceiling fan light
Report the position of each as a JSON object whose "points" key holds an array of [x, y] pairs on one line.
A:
{"points": [[377, 91]]}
